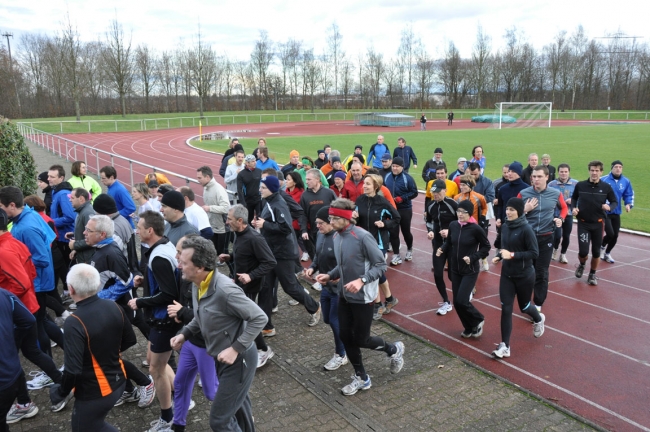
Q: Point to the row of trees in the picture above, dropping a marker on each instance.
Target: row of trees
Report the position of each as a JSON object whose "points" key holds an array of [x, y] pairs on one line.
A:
{"points": [[61, 75]]}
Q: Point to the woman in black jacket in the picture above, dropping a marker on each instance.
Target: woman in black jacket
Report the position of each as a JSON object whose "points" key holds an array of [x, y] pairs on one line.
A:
{"points": [[377, 216], [518, 250], [466, 245]]}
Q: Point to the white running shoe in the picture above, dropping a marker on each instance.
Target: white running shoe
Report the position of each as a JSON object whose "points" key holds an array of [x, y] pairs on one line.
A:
{"points": [[304, 257], [444, 308], [356, 385], [409, 255], [485, 266], [397, 359], [317, 286], [336, 362], [602, 252], [555, 255], [563, 259], [397, 260], [40, 380], [264, 356], [609, 258], [160, 425], [501, 351], [538, 328], [147, 394]]}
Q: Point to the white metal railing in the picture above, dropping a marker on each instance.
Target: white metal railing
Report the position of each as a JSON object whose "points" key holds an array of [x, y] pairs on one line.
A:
{"points": [[95, 158]]}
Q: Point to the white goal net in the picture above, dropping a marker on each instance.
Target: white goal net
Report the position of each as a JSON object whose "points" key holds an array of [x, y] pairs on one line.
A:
{"points": [[522, 114]]}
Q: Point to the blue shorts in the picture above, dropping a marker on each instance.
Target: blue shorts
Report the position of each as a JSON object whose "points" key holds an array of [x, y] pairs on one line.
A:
{"points": [[160, 340]]}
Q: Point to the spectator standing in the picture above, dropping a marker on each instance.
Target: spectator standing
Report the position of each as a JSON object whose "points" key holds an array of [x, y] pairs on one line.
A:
{"points": [[122, 197], [406, 153], [377, 150], [81, 252], [195, 214], [80, 179], [216, 205]]}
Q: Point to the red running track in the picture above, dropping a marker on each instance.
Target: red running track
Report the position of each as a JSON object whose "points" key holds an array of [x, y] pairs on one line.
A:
{"points": [[594, 358]]}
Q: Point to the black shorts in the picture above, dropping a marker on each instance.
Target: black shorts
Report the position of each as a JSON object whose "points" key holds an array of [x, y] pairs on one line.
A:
{"points": [[160, 340]]}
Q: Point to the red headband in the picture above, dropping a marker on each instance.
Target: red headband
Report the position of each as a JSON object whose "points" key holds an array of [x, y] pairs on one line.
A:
{"points": [[345, 214]]}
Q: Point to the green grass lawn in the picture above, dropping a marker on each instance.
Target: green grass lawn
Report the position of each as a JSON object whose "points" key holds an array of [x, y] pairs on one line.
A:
{"points": [[573, 145]]}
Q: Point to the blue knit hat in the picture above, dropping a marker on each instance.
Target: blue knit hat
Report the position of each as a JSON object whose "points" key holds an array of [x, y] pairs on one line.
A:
{"points": [[516, 167], [272, 183]]}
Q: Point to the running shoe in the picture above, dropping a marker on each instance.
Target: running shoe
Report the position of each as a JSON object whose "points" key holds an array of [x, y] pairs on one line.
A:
{"points": [[191, 407], [580, 270], [336, 362], [592, 279], [58, 407], [602, 252], [145, 363], [19, 412], [538, 327], [264, 356], [556, 254], [478, 330], [129, 397], [397, 359], [200, 383], [357, 384], [268, 332], [501, 351], [293, 302], [466, 334], [315, 318], [160, 425], [60, 320], [304, 257], [397, 260], [444, 308], [65, 298], [563, 259], [317, 286], [391, 304], [146, 394], [40, 380], [409, 255], [609, 258], [379, 310], [485, 266], [72, 306], [275, 310]]}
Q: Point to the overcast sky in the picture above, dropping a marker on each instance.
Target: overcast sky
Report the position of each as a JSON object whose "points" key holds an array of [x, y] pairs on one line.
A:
{"points": [[232, 26]]}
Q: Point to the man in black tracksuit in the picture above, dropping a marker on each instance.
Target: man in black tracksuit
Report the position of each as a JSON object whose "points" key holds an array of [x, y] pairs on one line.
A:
{"points": [[441, 212], [275, 224], [313, 199], [591, 199], [248, 186]]}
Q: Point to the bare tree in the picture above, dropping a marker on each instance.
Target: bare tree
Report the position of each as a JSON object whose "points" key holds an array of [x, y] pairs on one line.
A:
{"points": [[480, 54], [391, 78], [375, 72], [310, 76], [32, 57], [325, 78], [145, 62], [118, 59], [94, 75], [452, 75], [261, 59], [72, 64], [406, 59], [228, 80], [347, 80], [335, 54], [201, 61], [423, 72]]}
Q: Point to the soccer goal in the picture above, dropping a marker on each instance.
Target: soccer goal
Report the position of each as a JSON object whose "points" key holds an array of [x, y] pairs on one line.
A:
{"points": [[522, 114]]}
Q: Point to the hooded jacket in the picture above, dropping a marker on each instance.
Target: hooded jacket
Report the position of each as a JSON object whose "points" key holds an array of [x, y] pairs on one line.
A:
{"points": [[278, 228], [374, 209], [62, 212], [123, 201], [252, 255], [215, 196], [622, 188], [115, 278], [88, 183], [439, 215], [30, 229], [517, 236], [324, 258], [17, 271], [507, 191]]}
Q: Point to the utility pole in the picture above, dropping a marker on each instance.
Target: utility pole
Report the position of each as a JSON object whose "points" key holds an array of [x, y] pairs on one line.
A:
{"points": [[11, 71]]}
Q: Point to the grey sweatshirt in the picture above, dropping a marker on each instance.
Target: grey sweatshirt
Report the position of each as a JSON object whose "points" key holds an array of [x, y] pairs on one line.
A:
{"points": [[225, 317]]}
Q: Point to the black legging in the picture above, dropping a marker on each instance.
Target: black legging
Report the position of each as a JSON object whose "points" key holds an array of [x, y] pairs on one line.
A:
{"points": [[53, 301], [405, 225], [134, 373], [355, 320], [563, 234], [7, 397], [439, 270], [46, 328], [520, 285], [612, 229], [589, 232], [29, 347], [219, 242], [462, 286]]}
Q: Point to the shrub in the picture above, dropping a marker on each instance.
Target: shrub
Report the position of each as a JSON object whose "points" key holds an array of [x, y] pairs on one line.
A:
{"points": [[17, 166]]}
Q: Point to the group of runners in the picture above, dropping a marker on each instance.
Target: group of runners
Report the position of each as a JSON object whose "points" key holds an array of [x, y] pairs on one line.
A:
{"points": [[206, 279]]}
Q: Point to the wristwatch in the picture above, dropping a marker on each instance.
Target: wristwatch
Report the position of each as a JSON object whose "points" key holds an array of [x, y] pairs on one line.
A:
{"points": [[364, 280]]}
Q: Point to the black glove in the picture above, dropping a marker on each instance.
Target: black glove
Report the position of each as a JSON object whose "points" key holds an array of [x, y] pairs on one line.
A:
{"points": [[55, 394], [483, 222]]}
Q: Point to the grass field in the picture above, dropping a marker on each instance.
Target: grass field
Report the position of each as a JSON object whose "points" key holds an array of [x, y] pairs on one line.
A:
{"points": [[137, 122], [573, 145]]}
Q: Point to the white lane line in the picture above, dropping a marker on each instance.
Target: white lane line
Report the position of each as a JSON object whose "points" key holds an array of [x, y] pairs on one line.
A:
{"points": [[530, 375]]}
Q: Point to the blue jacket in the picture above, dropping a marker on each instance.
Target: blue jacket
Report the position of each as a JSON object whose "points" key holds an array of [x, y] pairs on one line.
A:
{"points": [[407, 154], [506, 192], [623, 189], [30, 228], [401, 186], [123, 200], [374, 155], [61, 211], [270, 163]]}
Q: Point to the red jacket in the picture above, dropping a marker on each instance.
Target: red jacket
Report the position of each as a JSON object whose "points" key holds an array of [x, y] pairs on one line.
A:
{"points": [[295, 194], [352, 191], [17, 271]]}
